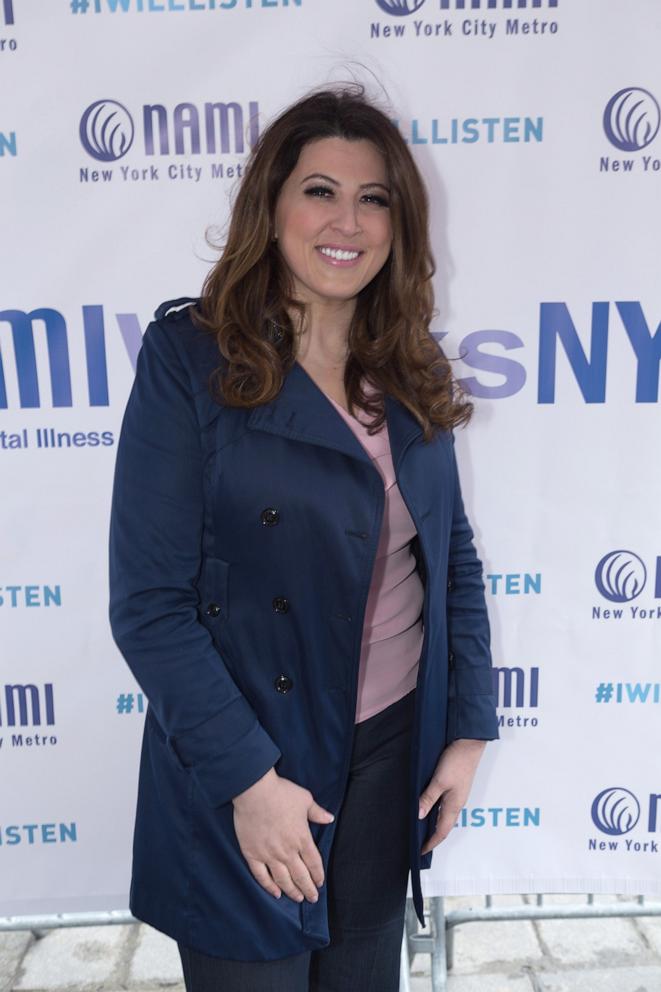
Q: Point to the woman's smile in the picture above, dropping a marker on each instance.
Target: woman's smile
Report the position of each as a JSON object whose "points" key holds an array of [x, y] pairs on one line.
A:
{"points": [[338, 256]]}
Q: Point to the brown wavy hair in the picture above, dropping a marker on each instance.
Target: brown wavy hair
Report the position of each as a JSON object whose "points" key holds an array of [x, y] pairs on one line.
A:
{"points": [[247, 298]]}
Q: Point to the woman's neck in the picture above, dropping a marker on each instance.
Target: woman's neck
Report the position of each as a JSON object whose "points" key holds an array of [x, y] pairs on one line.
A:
{"points": [[322, 337], [322, 347]]}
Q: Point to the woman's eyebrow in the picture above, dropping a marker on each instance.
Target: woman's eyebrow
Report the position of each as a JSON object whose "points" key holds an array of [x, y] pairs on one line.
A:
{"points": [[320, 175], [334, 182]]}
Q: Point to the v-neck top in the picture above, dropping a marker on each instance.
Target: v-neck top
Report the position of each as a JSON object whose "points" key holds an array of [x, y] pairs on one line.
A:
{"points": [[392, 630]]}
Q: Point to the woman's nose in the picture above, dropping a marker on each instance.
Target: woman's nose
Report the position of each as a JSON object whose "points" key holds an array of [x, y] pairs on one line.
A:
{"points": [[346, 219]]}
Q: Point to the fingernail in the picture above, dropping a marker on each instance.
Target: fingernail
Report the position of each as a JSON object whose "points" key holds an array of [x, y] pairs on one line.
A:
{"points": [[421, 812]]}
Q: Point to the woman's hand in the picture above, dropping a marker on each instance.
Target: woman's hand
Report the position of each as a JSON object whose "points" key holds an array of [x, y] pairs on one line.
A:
{"points": [[271, 825], [452, 779]]}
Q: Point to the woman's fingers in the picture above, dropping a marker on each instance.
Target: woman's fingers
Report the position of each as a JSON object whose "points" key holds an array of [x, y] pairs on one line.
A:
{"points": [[261, 874], [294, 880], [297, 875], [451, 780], [282, 878], [429, 797], [318, 814], [312, 859], [448, 815], [276, 878], [302, 878], [272, 825]]}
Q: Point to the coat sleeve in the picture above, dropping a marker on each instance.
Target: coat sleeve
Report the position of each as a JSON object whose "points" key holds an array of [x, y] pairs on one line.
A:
{"points": [[156, 532], [471, 702]]}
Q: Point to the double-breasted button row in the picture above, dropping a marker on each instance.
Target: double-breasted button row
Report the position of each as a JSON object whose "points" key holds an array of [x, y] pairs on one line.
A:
{"points": [[270, 516], [283, 684]]}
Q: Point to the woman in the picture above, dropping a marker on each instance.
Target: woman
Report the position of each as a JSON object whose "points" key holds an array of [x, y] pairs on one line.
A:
{"points": [[293, 579]]}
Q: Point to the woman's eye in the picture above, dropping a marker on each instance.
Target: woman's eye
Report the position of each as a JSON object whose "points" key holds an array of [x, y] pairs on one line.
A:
{"points": [[325, 193], [320, 191], [380, 201]]}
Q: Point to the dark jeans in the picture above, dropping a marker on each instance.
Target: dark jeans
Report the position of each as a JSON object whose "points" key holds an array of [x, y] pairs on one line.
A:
{"points": [[366, 881]]}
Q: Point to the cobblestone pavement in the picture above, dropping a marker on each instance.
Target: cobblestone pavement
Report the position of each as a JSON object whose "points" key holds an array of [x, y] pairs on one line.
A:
{"points": [[604, 955]]}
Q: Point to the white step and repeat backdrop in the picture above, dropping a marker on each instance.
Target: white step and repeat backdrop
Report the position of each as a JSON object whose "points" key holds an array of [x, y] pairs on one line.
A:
{"points": [[536, 124]]}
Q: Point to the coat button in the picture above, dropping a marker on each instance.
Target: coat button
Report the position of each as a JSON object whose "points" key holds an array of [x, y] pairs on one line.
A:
{"points": [[213, 610], [280, 604], [451, 658], [270, 516], [450, 585], [283, 683]]}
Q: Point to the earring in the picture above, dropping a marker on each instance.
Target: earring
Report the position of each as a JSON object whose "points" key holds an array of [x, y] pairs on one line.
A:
{"points": [[275, 332]]}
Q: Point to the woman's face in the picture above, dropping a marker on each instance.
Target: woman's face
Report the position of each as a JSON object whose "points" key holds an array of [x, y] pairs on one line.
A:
{"points": [[332, 219]]}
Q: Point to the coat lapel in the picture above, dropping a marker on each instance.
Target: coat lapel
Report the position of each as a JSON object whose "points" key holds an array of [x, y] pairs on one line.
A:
{"points": [[302, 412]]}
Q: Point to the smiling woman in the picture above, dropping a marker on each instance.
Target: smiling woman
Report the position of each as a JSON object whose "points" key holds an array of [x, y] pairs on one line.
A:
{"points": [[295, 588], [329, 178]]}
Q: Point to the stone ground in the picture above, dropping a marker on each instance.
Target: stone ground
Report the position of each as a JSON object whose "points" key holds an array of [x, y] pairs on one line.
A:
{"points": [[609, 955]]}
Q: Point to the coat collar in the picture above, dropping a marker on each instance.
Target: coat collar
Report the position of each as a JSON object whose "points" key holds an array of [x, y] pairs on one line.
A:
{"points": [[302, 411]]}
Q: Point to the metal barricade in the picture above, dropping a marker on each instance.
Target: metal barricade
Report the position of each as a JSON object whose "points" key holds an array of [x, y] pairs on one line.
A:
{"points": [[438, 943]]}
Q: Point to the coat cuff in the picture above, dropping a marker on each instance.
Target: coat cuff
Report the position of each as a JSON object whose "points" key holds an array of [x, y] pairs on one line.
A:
{"points": [[472, 717], [227, 753]]}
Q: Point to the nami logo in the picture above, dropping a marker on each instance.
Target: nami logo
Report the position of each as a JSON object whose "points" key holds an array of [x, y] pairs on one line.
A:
{"points": [[167, 141], [616, 811], [106, 130], [621, 576], [631, 121]]}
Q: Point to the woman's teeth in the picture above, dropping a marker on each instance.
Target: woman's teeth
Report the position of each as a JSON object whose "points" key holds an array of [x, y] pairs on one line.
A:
{"points": [[340, 256]]}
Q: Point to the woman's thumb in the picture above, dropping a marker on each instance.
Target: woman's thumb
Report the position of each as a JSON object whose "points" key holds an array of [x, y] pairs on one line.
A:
{"points": [[317, 814]]}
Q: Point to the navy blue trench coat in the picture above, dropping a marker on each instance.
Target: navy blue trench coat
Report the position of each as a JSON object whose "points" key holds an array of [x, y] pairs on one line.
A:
{"points": [[242, 544]]}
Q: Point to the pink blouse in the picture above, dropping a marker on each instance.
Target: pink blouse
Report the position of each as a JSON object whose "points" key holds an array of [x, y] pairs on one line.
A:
{"points": [[392, 632]]}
